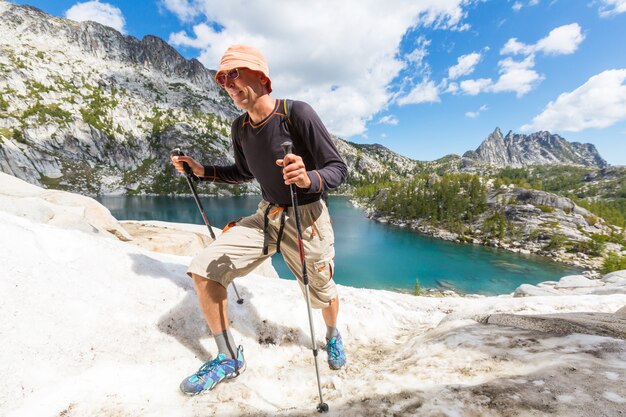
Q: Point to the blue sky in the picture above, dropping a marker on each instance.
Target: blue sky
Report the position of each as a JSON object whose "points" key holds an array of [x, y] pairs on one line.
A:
{"points": [[424, 78]]}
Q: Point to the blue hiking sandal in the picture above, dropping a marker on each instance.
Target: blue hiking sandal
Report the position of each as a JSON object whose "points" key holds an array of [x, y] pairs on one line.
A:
{"points": [[336, 355], [213, 372]]}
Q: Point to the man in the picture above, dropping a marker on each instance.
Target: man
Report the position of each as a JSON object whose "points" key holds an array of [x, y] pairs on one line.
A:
{"points": [[314, 167]]}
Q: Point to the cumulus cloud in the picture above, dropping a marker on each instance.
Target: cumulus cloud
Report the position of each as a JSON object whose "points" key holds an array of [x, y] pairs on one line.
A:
{"points": [[516, 76], [612, 7], [519, 76], [424, 92], [474, 87], [598, 103], [563, 40], [465, 65], [316, 55], [388, 120], [95, 11]]}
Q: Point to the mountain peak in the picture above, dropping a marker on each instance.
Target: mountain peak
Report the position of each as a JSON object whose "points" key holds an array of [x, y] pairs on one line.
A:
{"points": [[538, 148]]}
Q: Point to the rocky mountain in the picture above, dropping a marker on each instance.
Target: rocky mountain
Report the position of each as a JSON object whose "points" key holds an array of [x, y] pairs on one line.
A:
{"points": [[84, 108], [368, 161], [540, 148]]}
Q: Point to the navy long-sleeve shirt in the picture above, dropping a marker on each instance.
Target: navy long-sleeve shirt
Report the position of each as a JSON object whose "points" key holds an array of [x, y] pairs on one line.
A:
{"points": [[258, 146]]}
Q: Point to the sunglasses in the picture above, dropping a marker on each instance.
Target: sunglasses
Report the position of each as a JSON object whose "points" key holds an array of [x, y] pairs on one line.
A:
{"points": [[233, 74]]}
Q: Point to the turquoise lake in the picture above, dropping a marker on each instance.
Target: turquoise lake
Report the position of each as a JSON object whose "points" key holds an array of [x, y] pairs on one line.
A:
{"points": [[368, 254]]}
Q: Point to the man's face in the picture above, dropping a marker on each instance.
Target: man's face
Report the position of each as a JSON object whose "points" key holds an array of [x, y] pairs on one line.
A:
{"points": [[243, 86]]}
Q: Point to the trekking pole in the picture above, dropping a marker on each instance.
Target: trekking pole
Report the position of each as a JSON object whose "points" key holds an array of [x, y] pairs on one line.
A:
{"points": [[322, 407], [188, 175]]}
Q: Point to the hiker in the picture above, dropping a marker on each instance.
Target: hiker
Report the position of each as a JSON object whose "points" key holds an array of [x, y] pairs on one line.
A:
{"points": [[314, 167]]}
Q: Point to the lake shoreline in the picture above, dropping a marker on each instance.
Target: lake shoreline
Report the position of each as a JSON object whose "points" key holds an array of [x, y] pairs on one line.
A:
{"points": [[590, 267]]}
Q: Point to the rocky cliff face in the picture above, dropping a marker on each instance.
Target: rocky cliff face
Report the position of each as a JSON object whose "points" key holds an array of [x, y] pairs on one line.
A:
{"points": [[539, 148], [85, 108], [369, 161]]}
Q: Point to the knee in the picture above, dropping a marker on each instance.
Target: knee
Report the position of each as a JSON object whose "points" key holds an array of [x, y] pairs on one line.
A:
{"points": [[208, 286]]}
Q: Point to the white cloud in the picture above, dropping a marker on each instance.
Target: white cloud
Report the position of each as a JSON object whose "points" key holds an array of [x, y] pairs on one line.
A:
{"points": [[419, 53], [517, 6], [465, 65], [612, 7], [563, 40], [516, 76], [599, 103], [314, 54], [520, 77], [514, 47], [103, 13], [184, 10], [452, 88], [203, 35], [475, 114], [388, 120], [474, 87], [424, 92]]}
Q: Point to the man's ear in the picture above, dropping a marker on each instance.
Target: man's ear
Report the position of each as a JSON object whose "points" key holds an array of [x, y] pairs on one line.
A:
{"points": [[264, 82]]}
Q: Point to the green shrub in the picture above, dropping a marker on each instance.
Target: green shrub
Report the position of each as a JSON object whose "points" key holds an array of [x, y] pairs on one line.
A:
{"points": [[613, 262], [557, 241], [45, 111], [591, 219], [4, 105], [545, 209], [590, 247], [18, 136]]}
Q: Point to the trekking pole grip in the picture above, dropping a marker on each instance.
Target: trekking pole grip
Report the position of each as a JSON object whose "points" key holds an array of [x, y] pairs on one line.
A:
{"points": [[186, 167], [287, 147]]}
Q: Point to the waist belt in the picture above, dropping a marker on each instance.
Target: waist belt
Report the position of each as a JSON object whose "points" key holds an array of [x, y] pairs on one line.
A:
{"points": [[266, 222]]}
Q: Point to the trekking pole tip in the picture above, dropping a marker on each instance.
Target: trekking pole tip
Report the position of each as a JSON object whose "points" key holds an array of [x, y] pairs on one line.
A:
{"points": [[322, 408]]}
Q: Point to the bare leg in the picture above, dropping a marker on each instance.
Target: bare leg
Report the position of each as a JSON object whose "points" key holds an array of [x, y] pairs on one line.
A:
{"points": [[330, 313], [213, 302]]}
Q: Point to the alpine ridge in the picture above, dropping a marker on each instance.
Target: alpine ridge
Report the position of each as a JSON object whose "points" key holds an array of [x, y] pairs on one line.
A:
{"points": [[540, 148]]}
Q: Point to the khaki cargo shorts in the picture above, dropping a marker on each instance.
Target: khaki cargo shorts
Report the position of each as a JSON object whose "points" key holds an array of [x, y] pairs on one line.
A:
{"points": [[239, 249]]}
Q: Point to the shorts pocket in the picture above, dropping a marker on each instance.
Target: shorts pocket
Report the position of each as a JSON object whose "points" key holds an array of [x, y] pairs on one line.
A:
{"points": [[324, 269]]}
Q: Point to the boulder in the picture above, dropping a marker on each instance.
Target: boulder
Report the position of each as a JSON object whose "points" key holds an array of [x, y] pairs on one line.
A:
{"points": [[576, 281], [527, 290], [58, 208], [615, 276]]}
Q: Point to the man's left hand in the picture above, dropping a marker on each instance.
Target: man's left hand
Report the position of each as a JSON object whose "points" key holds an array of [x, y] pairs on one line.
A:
{"points": [[294, 171]]}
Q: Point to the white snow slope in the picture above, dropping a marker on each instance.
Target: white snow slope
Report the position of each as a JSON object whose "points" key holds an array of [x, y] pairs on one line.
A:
{"points": [[98, 327]]}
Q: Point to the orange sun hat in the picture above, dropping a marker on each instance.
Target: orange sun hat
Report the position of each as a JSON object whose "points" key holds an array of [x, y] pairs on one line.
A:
{"points": [[243, 56]]}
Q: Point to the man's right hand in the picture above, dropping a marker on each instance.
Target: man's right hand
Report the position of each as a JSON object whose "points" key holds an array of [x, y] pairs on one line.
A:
{"points": [[196, 167]]}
